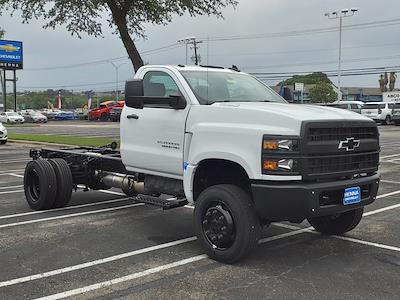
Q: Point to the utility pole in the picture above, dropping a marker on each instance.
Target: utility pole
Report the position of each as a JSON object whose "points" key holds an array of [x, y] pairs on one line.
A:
{"points": [[344, 13], [191, 41], [116, 67]]}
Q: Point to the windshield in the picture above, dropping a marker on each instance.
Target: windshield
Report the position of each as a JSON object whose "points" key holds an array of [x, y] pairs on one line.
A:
{"points": [[373, 106], [12, 114], [211, 87]]}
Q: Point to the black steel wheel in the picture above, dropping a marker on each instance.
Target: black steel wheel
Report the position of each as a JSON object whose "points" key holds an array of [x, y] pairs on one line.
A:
{"points": [[339, 223], [40, 184], [64, 182], [225, 223]]}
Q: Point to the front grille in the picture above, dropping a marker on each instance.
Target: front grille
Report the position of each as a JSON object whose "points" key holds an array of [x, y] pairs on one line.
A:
{"points": [[322, 157], [341, 165], [340, 133]]}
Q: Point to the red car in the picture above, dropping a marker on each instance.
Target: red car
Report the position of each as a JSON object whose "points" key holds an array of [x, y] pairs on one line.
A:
{"points": [[102, 112]]}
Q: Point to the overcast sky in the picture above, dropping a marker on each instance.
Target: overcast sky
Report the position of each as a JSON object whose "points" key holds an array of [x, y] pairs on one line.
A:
{"points": [[50, 48]]}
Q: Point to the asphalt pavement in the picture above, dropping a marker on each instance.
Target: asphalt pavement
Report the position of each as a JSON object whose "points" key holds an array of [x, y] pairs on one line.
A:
{"points": [[105, 246]]}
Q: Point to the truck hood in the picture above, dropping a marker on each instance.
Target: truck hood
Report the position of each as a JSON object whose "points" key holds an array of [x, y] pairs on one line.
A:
{"points": [[264, 117], [300, 112]]}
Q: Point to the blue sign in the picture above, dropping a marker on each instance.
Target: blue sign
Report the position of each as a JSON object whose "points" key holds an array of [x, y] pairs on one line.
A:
{"points": [[11, 55]]}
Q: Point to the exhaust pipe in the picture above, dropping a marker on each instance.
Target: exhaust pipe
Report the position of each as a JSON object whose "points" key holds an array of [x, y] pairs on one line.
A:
{"points": [[124, 182]]}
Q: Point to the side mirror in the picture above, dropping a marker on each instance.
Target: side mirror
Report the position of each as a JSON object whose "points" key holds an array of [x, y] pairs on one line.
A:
{"points": [[177, 101], [134, 93]]}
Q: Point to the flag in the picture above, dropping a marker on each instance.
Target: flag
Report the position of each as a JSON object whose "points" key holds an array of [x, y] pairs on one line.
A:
{"points": [[59, 99]]}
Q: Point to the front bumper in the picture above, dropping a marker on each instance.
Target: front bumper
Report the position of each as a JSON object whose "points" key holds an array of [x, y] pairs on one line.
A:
{"points": [[298, 201]]}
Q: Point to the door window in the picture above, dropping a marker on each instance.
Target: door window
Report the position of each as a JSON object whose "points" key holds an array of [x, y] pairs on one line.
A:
{"points": [[159, 84]]}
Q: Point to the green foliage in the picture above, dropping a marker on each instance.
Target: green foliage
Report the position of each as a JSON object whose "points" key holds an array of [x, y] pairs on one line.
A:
{"points": [[124, 16], [314, 78], [322, 92]]}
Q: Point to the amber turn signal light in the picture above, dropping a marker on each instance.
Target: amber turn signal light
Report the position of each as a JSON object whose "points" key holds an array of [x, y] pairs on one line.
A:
{"points": [[270, 165]]}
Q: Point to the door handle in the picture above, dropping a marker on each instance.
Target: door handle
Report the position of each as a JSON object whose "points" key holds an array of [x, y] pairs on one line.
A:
{"points": [[132, 116]]}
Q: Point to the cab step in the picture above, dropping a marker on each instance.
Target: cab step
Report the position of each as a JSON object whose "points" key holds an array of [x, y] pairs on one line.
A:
{"points": [[164, 203]]}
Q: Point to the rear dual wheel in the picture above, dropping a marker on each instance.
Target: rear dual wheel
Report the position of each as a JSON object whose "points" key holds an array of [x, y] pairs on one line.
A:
{"points": [[47, 183]]}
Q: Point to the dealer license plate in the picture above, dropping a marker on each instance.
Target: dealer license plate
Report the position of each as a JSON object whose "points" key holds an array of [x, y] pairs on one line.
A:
{"points": [[352, 195]]}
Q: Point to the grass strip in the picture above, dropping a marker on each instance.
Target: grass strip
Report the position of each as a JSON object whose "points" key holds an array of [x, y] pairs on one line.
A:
{"points": [[62, 139]]}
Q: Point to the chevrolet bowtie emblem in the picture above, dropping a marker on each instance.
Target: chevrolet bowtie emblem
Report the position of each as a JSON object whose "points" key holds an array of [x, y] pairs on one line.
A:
{"points": [[349, 144], [9, 48]]}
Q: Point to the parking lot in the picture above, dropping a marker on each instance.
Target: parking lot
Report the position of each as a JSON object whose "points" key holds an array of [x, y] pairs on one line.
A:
{"points": [[105, 246]]}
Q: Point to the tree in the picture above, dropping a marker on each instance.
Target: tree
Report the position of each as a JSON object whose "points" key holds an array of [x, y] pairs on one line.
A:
{"points": [[2, 33], [322, 92], [126, 17], [314, 78]]}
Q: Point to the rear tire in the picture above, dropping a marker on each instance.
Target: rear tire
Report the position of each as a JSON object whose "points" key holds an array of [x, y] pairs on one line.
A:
{"points": [[103, 117], [65, 182], [3, 142], [337, 224], [388, 120], [40, 184], [225, 223]]}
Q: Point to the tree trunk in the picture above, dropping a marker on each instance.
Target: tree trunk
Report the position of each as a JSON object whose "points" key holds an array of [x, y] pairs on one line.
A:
{"points": [[120, 21]]}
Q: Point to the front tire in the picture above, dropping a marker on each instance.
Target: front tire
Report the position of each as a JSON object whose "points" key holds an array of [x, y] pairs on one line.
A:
{"points": [[40, 184], [388, 120], [337, 224], [225, 223]]}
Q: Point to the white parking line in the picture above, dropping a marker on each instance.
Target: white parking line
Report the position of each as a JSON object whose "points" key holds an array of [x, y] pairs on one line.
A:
{"points": [[390, 181], [62, 209], [123, 279], [388, 194], [70, 215], [16, 175], [150, 271], [10, 161], [96, 262], [10, 192], [377, 245], [10, 187], [388, 156], [8, 171]]}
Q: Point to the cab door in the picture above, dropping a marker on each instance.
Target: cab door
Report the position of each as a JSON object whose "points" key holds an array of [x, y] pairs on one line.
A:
{"points": [[152, 137]]}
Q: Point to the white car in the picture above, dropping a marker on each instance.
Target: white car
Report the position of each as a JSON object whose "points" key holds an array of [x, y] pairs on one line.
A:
{"points": [[355, 106], [34, 116], [11, 117], [379, 111], [3, 134]]}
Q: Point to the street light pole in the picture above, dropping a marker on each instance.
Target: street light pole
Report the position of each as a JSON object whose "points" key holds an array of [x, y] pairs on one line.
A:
{"points": [[116, 67], [344, 13]]}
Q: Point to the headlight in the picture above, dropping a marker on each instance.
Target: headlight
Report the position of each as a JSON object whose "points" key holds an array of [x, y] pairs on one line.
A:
{"points": [[280, 155], [277, 145]]}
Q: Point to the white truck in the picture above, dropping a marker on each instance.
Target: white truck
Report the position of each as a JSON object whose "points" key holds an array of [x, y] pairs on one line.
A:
{"points": [[223, 141]]}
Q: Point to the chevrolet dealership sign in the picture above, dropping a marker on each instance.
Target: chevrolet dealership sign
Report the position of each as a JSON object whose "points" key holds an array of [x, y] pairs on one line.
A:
{"points": [[11, 55]]}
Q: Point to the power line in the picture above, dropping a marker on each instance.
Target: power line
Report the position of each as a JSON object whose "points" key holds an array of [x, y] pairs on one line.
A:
{"points": [[106, 61], [374, 24], [323, 62]]}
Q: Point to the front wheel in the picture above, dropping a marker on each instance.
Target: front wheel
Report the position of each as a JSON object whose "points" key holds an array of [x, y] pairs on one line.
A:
{"points": [[339, 223], [225, 223]]}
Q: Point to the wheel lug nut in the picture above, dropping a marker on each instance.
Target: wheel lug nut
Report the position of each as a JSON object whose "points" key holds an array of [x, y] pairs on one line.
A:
{"points": [[224, 228], [221, 218], [220, 236], [205, 222], [213, 238], [208, 214], [215, 213]]}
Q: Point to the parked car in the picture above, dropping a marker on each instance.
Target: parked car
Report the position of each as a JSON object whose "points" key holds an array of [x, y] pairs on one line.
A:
{"points": [[11, 117], [82, 113], [355, 106], [3, 134], [115, 111], [102, 112], [50, 113], [396, 114], [65, 115], [33, 116], [379, 111]]}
